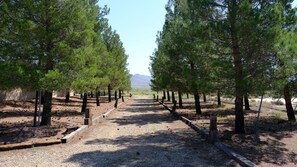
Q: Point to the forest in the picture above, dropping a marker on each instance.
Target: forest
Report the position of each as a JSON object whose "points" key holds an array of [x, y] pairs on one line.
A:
{"points": [[228, 48], [215, 64], [55, 45]]}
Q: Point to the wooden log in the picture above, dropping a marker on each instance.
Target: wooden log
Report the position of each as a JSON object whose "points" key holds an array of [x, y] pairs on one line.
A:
{"points": [[74, 134]]}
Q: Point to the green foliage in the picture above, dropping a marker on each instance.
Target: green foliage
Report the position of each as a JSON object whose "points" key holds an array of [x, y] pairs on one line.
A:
{"points": [[230, 46], [52, 81], [53, 45]]}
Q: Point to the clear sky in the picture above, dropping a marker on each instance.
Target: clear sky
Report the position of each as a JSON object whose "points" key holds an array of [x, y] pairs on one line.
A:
{"points": [[137, 22]]}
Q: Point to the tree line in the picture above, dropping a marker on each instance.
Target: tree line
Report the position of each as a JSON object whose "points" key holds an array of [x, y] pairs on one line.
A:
{"points": [[228, 47], [51, 45]]}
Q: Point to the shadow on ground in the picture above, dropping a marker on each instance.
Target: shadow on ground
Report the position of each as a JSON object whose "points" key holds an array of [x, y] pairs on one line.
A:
{"points": [[24, 131], [266, 145], [164, 148], [144, 112]]}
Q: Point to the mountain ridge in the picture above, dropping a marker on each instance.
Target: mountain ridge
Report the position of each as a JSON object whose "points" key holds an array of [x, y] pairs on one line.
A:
{"points": [[140, 81]]}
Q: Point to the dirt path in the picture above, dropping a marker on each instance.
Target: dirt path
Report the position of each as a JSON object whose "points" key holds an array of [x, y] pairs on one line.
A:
{"points": [[140, 133]]}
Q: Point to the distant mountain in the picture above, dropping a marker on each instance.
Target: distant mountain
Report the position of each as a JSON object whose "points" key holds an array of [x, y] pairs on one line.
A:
{"points": [[140, 81]]}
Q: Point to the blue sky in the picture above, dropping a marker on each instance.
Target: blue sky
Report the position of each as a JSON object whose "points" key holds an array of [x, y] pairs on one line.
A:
{"points": [[137, 22]]}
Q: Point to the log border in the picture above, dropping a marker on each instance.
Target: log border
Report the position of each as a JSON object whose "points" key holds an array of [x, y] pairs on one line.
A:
{"points": [[231, 153], [66, 139]]}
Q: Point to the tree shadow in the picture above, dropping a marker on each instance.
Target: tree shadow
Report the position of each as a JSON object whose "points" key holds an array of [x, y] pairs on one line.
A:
{"points": [[14, 113], [66, 113], [16, 104], [164, 148], [262, 146], [26, 113], [143, 119], [22, 132], [267, 145], [145, 104]]}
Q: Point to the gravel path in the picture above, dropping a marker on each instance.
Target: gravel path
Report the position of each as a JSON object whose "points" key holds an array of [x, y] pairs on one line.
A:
{"points": [[139, 133]]}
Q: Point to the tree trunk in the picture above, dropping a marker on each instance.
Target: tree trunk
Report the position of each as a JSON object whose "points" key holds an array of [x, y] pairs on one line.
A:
{"points": [[246, 102], [219, 98], [195, 91], [47, 109], [81, 95], [239, 116], [188, 95], [237, 60], [168, 96], [109, 93], [42, 98], [180, 99], [115, 94], [85, 101], [204, 98], [35, 110], [67, 99], [97, 99], [116, 103], [92, 95], [104, 93], [173, 96], [197, 102], [289, 107], [120, 94], [164, 95]]}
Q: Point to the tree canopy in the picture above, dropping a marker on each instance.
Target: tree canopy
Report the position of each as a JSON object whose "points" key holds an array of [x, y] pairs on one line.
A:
{"points": [[54, 45], [229, 46]]}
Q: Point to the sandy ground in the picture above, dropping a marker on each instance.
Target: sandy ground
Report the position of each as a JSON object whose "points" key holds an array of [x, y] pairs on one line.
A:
{"points": [[274, 142], [139, 133], [16, 119]]}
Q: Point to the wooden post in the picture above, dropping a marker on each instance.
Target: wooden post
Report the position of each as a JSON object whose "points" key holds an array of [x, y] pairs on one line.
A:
{"points": [[88, 117], [213, 131], [123, 100]]}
